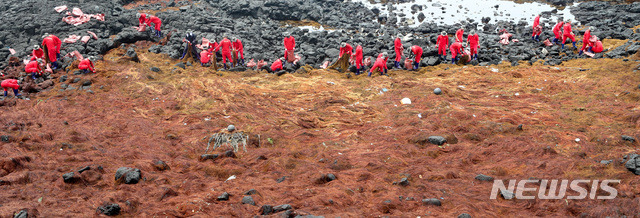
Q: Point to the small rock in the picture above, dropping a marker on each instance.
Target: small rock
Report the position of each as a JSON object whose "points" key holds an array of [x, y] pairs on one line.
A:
{"points": [[633, 163], [506, 194], [155, 69], [63, 78], [432, 201], [231, 128], [519, 128], [628, 138], [75, 80], [109, 209], [281, 179], [437, 140], [404, 182], [326, 178], [70, 178], [464, 215], [208, 157], [86, 83], [128, 175], [606, 162], [251, 192], [5, 138], [160, 165], [437, 91], [22, 214], [248, 200], [181, 65], [482, 177], [223, 197], [266, 209], [280, 208]]}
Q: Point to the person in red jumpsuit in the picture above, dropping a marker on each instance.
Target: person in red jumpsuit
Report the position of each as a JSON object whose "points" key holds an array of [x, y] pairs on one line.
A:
{"points": [[33, 68], [205, 57], [289, 46], [10, 84], [537, 29], [277, 65], [380, 64], [397, 45], [156, 22], [474, 42], [568, 33], [417, 53], [52, 44], [443, 43], [239, 52], [226, 46], [86, 65], [345, 48], [37, 53], [460, 35], [586, 40], [359, 57], [557, 32], [596, 46], [215, 53], [456, 48]]}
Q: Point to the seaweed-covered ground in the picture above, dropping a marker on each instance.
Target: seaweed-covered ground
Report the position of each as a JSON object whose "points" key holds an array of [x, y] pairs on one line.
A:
{"points": [[307, 124]]}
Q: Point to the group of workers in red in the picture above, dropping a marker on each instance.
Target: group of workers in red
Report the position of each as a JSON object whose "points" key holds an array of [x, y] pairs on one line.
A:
{"points": [[224, 49], [42, 57], [563, 31]]}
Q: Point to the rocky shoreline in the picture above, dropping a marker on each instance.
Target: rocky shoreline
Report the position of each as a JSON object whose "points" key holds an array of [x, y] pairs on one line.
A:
{"points": [[259, 25]]}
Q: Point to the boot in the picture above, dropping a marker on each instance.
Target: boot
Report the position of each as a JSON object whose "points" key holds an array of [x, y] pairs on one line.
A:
{"points": [[563, 46], [538, 38], [33, 76], [580, 53], [54, 65], [415, 65], [225, 65], [15, 92], [5, 94], [574, 45], [358, 71], [385, 72]]}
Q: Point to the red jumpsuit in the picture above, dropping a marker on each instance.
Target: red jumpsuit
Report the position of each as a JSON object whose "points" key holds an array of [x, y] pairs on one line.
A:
{"points": [[397, 44], [10, 83], [276, 66], [35, 54], [205, 56], [459, 35], [381, 64], [597, 47], [214, 47], [358, 57], [473, 40], [142, 19], [455, 49], [417, 51], [239, 49], [52, 44], [443, 42], [585, 40], [557, 30], [226, 50], [347, 49], [32, 67], [567, 33], [155, 20], [289, 45], [536, 22], [86, 64]]}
